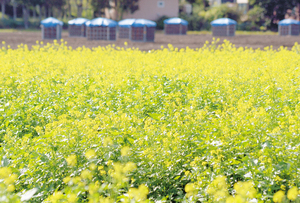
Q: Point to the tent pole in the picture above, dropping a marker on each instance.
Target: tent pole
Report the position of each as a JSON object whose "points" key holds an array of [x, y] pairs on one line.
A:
{"points": [[82, 30], [180, 29], [57, 31], [227, 30], [108, 33], [43, 31], [234, 30], [145, 31]]}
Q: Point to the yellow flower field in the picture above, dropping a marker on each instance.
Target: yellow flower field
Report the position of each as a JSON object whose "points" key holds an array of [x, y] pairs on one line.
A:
{"points": [[215, 124]]}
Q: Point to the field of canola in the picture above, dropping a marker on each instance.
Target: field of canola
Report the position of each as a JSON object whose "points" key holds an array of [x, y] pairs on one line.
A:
{"points": [[215, 124]]}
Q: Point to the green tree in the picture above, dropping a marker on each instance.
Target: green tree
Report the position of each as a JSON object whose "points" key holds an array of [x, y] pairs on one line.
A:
{"points": [[203, 3], [199, 5], [3, 3], [221, 11], [14, 4], [32, 4], [57, 4], [275, 10], [79, 4], [122, 6], [50, 4], [297, 6], [256, 16], [25, 4], [99, 6]]}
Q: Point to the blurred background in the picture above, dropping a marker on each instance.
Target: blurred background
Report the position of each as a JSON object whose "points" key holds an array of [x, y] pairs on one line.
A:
{"points": [[251, 15]]}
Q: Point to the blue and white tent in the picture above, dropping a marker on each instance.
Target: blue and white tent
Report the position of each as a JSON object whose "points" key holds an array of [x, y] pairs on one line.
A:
{"points": [[51, 28], [175, 21], [101, 29], [223, 22], [124, 28], [137, 29], [136, 23], [288, 22], [51, 22], [143, 23], [126, 23], [223, 27], [175, 26], [78, 21], [77, 27], [103, 22], [288, 27]]}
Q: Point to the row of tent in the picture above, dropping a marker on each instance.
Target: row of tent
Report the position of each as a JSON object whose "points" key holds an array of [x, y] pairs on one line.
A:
{"points": [[106, 29], [142, 29], [227, 27]]}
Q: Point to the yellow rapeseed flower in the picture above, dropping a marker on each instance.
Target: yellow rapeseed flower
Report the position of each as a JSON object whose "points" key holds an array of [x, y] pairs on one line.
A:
{"points": [[11, 179], [125, 151], [90, 154], [107, 141], [93, 166], [67, 179], [292, 193], [5, 172], [72, 198], [190, 189], [106, 200], [86, 174], [278, 196], [139, 194], [282, 187], [72, 160], [129, 166], [10, 188], [93, 188]]}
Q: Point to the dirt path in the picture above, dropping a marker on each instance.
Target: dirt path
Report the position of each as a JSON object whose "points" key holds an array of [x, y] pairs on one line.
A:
{"points": [[193, 41]]}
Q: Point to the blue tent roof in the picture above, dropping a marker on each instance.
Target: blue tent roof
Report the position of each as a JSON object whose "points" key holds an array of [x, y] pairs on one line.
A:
{"points": [[137, 23], [288, 22], [223, 22], [101, 22], [78, 21], [126, 22], [143, 22], [175, 21], [51, 22]]}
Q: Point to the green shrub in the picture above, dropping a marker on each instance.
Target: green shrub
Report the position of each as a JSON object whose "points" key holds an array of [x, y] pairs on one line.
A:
{"points": [[222, 11], [196, 22], [160, 22], [10, 23], [256, 18]]}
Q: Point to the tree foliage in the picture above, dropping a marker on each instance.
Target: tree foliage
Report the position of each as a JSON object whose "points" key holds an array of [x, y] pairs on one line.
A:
{"points": [[275, 8], [129, 5], [120, 6], [55, 3], [222, 11], [203, 3], [99, 6]]}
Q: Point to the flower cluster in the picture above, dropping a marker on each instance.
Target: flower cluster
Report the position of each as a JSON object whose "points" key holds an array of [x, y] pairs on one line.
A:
{"points": [[213, 124]]}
